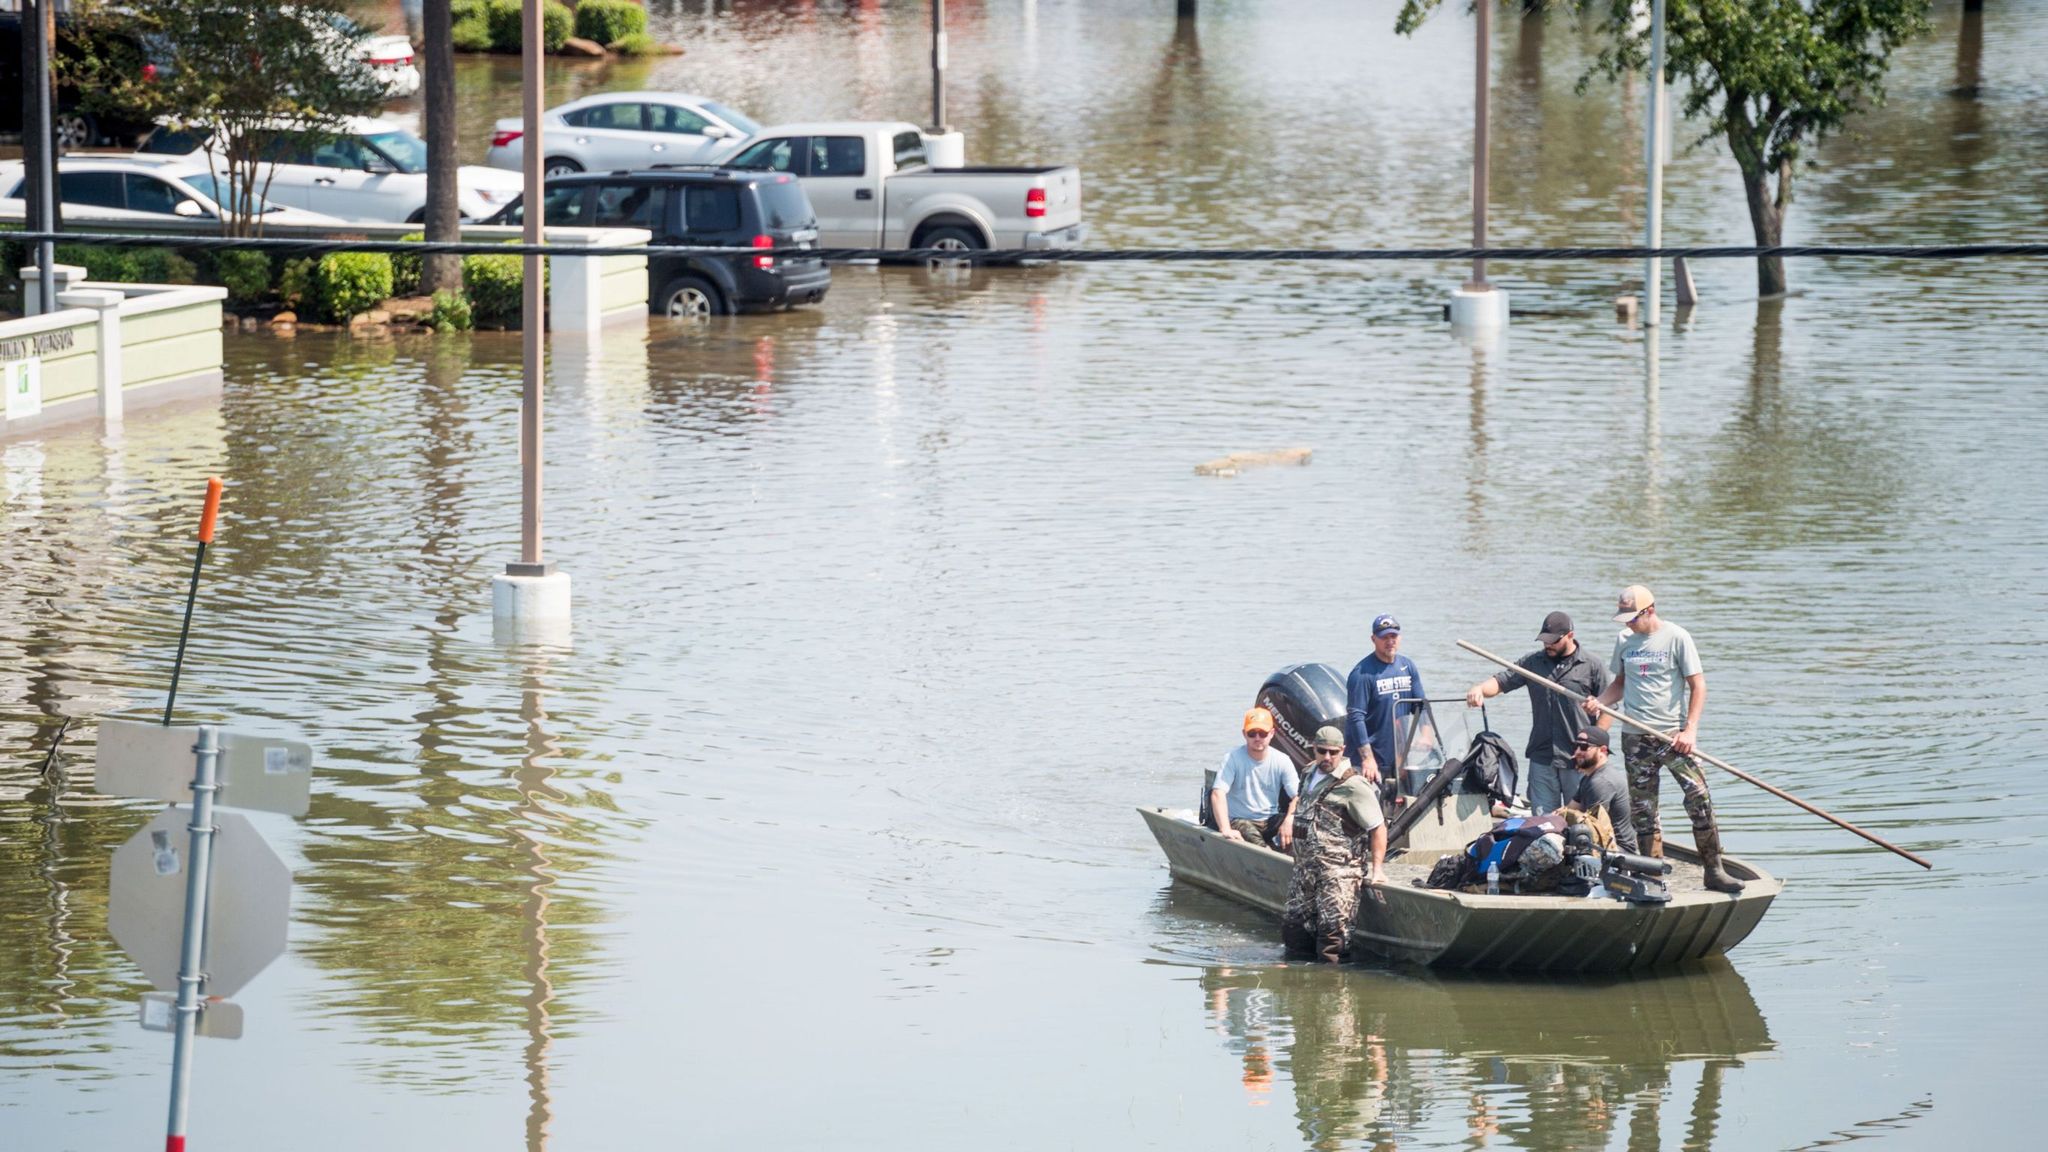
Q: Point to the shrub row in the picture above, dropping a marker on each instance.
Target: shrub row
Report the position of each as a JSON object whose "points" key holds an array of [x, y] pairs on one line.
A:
{"points": [[333, 288], [493, 25], [610, 21]]}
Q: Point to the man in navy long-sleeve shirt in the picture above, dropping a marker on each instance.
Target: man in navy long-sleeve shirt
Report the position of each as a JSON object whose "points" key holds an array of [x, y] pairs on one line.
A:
{"points": [[1374, 717]]}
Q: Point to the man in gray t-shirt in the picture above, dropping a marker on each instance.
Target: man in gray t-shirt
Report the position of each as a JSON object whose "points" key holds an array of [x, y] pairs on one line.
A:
{"points": [[1658, 678], [1601, 784]]}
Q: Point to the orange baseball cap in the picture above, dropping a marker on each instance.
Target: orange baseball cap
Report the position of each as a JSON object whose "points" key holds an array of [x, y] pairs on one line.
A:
{"points": [[1258, 720]]}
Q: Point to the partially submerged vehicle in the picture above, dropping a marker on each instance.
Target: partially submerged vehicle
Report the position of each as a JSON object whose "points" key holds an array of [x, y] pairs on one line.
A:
{"points": [[1440, 811]]}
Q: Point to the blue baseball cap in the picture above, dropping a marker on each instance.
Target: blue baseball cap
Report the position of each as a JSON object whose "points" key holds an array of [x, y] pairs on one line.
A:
{"points": [[1383, 624]]}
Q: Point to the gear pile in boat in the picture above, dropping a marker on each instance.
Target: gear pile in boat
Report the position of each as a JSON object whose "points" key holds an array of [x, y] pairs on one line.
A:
{"points": [[1559, 854]]}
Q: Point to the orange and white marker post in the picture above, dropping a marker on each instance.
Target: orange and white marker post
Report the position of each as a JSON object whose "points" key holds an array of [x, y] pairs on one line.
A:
{"points": [[207, 518]]}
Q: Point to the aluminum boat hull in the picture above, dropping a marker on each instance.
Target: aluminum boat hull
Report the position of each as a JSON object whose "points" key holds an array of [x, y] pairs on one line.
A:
{"points": [[1512, 933]]}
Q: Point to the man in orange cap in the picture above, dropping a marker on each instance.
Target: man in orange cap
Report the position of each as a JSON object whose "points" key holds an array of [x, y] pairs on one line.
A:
{"points": [[1658, 679], [1253, 796]]}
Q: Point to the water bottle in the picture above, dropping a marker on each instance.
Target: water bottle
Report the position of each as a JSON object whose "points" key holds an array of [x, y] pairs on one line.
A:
{"points": [[1493, 879]]}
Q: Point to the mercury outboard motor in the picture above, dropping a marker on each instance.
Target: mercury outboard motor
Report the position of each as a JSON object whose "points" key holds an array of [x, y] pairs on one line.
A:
{"points": [[1303, 698]]}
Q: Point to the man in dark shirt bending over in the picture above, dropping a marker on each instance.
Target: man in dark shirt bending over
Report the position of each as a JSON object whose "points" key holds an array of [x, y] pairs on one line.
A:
{"points": [[1601, 785], [1553, 718]]}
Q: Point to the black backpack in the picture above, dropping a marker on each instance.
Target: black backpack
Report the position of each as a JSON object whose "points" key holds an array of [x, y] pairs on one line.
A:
{"points": [[1490, 767]]}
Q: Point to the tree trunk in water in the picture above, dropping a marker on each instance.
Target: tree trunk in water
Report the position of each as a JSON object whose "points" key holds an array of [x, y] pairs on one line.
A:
{"points": [[1767, 220], [444, 214]]}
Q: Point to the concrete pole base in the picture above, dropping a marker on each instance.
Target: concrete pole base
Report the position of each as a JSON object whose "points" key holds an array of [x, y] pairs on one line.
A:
{"points": [[1476, 310], [530, 598], [945, 150]]}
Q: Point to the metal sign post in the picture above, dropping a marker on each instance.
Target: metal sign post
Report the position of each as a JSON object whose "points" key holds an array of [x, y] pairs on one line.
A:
{"points": [[206, 756], [236, 908]]}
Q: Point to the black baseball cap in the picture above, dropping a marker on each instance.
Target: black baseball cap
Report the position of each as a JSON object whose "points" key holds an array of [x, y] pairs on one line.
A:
{"points": [[1592, 734], [1555, 626]]}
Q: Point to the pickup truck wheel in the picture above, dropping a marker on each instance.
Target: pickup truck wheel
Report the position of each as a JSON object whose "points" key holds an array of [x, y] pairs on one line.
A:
{"points": [[559, 166], [690, 298], [951, 239]]}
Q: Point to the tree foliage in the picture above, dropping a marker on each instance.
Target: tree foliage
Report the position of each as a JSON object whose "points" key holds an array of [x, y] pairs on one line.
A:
{"points": [[1772, 77], [244, 77]]}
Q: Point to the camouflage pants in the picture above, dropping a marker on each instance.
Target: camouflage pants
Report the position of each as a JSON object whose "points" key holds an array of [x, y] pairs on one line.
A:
{"points": [[1647, 760], [1321, 903]]}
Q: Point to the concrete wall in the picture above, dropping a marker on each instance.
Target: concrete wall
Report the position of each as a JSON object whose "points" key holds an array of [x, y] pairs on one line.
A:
{"points": [[110, 347]]}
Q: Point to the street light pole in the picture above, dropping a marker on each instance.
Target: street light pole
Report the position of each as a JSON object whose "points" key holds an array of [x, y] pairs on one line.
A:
{"points": [[1653, 167], [37, 17], [533, 316], [1481, 92], [939, 66]]}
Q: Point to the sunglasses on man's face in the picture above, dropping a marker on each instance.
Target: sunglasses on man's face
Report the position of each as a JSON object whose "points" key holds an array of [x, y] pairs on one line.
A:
{"points": [[1326, 753], [1261, 733]]}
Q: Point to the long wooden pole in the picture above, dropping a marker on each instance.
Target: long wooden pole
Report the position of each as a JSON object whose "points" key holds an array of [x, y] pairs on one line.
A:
{"points": [[1717, 762]]}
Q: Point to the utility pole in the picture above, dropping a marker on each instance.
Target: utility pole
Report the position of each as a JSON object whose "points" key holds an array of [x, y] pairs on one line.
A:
{"points": [[939, 67], [38, 26], [1653, 166], [530, 589], [533, 315], [1482, 91]]}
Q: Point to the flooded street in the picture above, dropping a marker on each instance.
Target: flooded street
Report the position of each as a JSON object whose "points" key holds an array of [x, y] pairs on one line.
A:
{"points": [[818, 832]]}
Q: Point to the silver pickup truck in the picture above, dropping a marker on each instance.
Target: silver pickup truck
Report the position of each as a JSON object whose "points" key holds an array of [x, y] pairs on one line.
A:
{"points": [[871, 187]]}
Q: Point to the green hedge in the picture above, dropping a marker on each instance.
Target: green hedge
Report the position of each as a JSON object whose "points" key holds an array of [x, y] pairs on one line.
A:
{"points": [[494, 284], [638, 44], [405, 268], [345, 283], [246, 275], [556, 21], [129, 265], [295, 283], [451, 313], [472, 33], [606, 21]]}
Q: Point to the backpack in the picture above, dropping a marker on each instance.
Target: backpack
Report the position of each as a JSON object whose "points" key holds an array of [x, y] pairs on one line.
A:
{"points": [[1503, 847], [1490, 767]]}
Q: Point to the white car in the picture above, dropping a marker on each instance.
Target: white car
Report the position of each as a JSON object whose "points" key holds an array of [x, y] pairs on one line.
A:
{"points": [[391, 60], [614, 130], [163, 191], [373, 171]]}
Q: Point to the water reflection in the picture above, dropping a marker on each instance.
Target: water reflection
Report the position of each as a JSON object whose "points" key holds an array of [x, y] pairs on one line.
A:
{"points": [[1541, 1063]]}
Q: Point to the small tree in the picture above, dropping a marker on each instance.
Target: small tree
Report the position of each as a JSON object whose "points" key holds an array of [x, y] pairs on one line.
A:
{"points": [[247, 78], [1773, 77], [444, 213]]}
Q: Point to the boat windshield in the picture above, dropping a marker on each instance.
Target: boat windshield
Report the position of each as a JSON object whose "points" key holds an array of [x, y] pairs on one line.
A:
{"points": [[1423, 741]]}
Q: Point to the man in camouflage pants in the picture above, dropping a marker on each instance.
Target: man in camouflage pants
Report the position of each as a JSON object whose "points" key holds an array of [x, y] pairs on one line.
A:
{"points": [[1340, 840], [1659, 680]]}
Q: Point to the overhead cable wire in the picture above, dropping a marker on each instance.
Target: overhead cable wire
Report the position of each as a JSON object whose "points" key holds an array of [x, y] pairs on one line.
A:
{"points": [[324, 245]]}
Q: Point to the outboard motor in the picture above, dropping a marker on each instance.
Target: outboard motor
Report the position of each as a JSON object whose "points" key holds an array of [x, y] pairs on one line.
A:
{"points": [[1303, 698]]}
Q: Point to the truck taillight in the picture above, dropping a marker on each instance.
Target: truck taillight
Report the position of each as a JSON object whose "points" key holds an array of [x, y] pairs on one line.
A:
{"points": [[502, 137], [1034, 202], [764, 261]]}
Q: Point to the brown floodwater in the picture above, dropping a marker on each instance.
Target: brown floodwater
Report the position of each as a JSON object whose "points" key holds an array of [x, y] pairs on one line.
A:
{"points": [[818, 830]]}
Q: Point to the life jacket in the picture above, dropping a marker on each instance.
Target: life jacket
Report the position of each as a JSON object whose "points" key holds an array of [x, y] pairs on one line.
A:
{"points": [[1490, 767], [1503, 847]]}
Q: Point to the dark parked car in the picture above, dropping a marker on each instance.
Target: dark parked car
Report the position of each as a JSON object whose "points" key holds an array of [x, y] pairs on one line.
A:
{"points": [[707, 207], [74, 126]]}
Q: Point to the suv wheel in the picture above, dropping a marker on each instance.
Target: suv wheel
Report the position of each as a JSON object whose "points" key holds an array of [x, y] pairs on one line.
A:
{"points": [[74, 130], [690, 298], [951, 239], [559, 166]]}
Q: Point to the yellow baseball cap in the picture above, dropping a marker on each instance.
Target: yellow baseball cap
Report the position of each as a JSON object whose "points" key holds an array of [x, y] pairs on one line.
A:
{"points": [[1634, 599]]}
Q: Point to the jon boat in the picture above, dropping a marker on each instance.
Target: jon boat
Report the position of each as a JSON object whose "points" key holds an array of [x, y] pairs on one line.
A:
{"points": [[1511, 933], [1402, 921]]}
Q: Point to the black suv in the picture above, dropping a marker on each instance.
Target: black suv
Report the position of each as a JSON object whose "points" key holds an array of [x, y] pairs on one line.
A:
{"points": [[701, 207], [72, 125]]}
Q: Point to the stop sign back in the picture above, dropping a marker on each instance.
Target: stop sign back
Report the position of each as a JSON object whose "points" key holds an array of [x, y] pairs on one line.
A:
{"points": [[247, 914]]}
